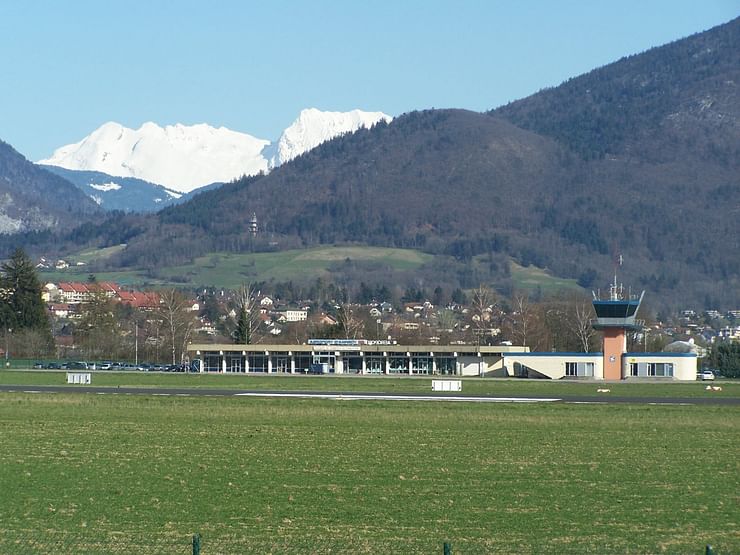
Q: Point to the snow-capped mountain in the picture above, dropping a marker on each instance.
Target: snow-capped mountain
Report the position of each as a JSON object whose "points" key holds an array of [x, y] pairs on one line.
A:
{"points": [[178, 157], [183, 158], [314, 127]]}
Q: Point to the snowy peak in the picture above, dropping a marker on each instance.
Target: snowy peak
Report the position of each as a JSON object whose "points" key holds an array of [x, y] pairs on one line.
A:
{"points": [[314, 127], [178, 156], [186, 157]]}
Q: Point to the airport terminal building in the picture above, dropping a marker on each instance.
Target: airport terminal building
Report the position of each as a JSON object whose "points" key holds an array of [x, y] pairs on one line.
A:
{"points": [[351, 356], [369, 357]]}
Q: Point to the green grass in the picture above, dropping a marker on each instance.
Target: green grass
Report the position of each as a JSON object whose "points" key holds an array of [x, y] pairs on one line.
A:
{"points": [[89, 255], [530, 278], [232, 270], [391, 384], [117, 474], [130, 278]]}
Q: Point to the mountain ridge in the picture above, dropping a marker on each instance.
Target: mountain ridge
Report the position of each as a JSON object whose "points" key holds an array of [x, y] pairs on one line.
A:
{"points": [[183, 158], [126, 194], [33, 199]]}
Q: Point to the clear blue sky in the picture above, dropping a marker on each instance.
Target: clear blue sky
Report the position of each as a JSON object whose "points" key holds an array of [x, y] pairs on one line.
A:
{"points": [[66, 67]]}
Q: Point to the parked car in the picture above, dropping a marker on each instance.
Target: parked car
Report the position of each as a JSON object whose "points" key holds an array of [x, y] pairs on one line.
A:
{"points": [[78, 365], [705, 375], [38, 364]]}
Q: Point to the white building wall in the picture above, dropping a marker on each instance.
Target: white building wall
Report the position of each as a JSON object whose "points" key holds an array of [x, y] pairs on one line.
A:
{"points": [[684, 366], [471, 366], [296, 315], [552, 366]]}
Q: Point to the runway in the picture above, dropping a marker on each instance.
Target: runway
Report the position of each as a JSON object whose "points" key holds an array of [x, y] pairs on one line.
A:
{"points": [[359, 396]]}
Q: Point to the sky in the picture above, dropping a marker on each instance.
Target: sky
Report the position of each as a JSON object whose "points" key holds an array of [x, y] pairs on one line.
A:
{"points": [[68, 67]]}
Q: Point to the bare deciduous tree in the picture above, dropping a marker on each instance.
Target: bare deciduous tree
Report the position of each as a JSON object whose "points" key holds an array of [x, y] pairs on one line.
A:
{"points": [[579, 321], [352, 326], [485, 314], [178, 322], [248, 315], [523, 319]]}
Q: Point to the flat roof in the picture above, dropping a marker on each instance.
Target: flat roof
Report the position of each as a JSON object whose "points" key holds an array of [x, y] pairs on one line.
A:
{"points": [[441, 349], [599, 354], [671, 355], [554, 354]]}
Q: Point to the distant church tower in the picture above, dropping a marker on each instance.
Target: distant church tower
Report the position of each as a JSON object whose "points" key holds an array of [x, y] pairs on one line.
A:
{"points": [[253, 227], [616, 316]]}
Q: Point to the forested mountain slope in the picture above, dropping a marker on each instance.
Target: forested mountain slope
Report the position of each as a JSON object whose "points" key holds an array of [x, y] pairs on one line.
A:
{"points": [[32, 199], [671, 102]]}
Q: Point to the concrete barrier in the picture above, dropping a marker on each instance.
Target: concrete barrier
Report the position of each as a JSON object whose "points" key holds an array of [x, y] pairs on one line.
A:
{"points": [[79, 378], [446, 385]]}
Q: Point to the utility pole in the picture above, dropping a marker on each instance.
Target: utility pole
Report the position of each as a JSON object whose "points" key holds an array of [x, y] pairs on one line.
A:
{"points": [[136, 342], [7, 347]]}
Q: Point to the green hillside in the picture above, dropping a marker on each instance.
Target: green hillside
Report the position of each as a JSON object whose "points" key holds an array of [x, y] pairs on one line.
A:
{"points": [[532, 278], [230, 270], [298, 265]]}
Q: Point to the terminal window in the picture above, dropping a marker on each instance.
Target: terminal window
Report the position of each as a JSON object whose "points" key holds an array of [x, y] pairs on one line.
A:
{"points": [[579, 369]]}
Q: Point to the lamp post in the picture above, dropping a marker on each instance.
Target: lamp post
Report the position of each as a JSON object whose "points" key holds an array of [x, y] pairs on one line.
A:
{"points": [[136, 343], [7, 346]]}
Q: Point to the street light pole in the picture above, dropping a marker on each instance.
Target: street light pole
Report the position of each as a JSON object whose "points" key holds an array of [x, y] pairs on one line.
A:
{"points": [[136, 343]]}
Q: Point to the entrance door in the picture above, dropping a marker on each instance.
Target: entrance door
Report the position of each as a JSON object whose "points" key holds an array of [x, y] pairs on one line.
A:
{"points": [[281, 364], [236, 365]]}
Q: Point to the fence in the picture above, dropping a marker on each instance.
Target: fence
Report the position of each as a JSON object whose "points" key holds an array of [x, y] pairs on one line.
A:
{"points": [[24, 542]]}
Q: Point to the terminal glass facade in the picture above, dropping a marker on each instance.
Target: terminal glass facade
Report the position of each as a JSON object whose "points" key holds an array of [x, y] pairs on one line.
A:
{"points": [[578, 369], [421, 363], [651, 369], [398, 365], [375, 364]]}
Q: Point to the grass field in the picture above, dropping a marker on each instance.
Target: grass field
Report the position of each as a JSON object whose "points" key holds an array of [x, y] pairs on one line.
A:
{"points": [[530, 278], [231, 270], [90, 255], [117, 474], [392, 384]]}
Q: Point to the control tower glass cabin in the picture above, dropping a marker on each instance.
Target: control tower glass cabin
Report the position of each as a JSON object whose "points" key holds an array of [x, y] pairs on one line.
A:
{"points": [[616, 316]]}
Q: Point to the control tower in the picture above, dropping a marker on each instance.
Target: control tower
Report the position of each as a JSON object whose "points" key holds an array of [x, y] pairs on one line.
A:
{"points": [[615, 316]]}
